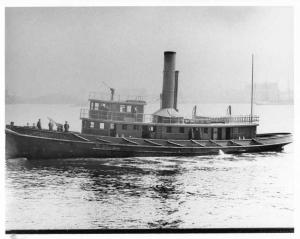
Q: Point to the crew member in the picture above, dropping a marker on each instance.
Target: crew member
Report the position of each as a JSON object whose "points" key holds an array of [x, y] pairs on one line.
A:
{"points": [[50, 124], [229, 110], [39, 124], [66, 126]]}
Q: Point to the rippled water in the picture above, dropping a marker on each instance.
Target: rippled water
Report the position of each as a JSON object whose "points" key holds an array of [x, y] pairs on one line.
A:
{"points": [[247, 190]]}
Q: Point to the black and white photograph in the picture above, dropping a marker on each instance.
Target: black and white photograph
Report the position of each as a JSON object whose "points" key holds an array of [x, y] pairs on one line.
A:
{"points": [[151, 119]]}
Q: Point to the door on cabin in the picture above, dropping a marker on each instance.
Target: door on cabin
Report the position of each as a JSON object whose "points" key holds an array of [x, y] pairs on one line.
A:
{"points": [[145, 131], [227, 135], [219, 133], [196, 133], [112, 130], [214, 133]]}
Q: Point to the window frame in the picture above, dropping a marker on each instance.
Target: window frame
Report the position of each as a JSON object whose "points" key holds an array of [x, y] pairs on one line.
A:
{"points": [[169, 129], [92, 125], [123, 108], [136, 127]]}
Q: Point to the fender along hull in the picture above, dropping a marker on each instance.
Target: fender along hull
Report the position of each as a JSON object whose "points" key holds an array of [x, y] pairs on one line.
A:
{"points": [[43, 144]]}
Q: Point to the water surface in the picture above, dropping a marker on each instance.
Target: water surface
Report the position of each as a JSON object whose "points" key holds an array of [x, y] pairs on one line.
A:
{"points": [[247, 190]]}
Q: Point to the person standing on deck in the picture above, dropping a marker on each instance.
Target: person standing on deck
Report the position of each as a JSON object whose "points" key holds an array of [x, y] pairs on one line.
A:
{"points": [[39, 124], [50, 124], [66, 126]]}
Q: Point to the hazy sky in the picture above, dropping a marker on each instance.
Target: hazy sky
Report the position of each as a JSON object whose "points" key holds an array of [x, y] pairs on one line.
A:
{"points": [[71, 50]]}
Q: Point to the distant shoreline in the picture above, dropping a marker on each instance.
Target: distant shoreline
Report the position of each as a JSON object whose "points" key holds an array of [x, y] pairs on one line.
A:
{"points": [[189, 102]]}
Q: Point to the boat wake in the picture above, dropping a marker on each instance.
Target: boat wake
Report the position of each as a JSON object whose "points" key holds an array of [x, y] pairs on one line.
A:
{"points": [[223, 155]]}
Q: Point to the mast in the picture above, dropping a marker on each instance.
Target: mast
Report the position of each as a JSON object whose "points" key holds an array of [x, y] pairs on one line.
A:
{"points": [[251, 114]]}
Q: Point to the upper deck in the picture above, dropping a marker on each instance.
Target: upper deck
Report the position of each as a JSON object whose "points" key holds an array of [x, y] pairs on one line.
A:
{"points": [[141, 118], [106, 98]]}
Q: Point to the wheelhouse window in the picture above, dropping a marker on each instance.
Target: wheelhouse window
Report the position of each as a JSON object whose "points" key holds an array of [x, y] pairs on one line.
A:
{"points": [[92, 106], [169, 129], [102, 106], [128, 108], [134, 109], [124, 127], [122, 108], [181, 130], [101, 125]]}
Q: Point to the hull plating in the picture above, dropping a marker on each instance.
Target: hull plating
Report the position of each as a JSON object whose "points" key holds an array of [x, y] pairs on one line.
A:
{"points": [[37, 147]]}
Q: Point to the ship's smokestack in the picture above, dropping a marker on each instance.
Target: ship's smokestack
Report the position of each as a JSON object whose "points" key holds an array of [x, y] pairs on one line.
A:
{"points": [[168, 80], [176, 90]]}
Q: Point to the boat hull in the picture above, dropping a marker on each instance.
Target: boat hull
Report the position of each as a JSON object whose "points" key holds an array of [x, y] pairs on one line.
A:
{"points": [[45, 147]]}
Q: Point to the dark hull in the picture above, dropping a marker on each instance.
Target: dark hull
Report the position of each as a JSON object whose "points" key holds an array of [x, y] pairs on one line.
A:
{"points": [[67, 145]]}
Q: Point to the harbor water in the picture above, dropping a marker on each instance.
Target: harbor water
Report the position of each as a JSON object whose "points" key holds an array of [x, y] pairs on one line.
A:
{"points": [[246, 190]]}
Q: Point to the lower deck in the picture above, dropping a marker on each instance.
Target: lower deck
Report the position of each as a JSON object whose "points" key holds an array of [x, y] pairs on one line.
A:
{"points": [[34, 143], [169, 131]]}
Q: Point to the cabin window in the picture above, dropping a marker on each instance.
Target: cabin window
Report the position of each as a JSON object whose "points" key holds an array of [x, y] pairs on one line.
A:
{"points": [[96, 106], [101, 126], [122, 108], [92, 105], [92, 124], [134, 109], [128, 108], [169, 129], [124, 127], [181, 130], [205, 130], [136, 127], [102, 106]]}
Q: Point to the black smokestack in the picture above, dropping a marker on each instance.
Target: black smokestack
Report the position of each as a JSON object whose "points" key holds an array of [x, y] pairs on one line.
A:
{"points": [[168, 80], [176, 90]]}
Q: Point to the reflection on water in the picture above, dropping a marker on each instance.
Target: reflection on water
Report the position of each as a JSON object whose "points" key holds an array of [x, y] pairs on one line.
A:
{"points": [[248, 190]]}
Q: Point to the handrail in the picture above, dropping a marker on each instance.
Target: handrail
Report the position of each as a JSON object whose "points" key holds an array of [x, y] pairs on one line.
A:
{"points": [[106, 96]]}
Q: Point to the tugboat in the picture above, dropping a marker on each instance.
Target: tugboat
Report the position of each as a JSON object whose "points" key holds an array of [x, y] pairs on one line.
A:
{"points": [[119, 128]]}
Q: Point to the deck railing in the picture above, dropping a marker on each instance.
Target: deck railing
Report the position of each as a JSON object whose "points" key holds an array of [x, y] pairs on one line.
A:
{"points": [[227, 119], [149, 118], [106, 96]]}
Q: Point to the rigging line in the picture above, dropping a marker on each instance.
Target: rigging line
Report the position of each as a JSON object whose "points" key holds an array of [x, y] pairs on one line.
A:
{"points": [[252, 89]]}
